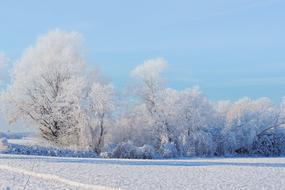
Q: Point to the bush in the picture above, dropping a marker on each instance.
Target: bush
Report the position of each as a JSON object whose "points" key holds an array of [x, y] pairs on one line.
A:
{"points": [[168, 150], [105, 155], [130, 151], [125, 150], [3, 145], [148, 152]]}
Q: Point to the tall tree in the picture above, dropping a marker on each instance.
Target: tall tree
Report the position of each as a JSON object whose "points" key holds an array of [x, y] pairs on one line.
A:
{"points": [[46, 86], [101, 105], [151, 92], [198, 122]]}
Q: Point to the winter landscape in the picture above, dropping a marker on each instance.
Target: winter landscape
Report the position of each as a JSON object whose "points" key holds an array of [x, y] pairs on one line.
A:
{"points": [[146, 95]]}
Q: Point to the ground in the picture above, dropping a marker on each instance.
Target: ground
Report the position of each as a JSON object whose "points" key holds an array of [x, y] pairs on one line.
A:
{"points": [[34, 172]]}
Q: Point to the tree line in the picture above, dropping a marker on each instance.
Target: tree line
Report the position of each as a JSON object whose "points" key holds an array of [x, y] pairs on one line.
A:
{"points": [[71, 106]]}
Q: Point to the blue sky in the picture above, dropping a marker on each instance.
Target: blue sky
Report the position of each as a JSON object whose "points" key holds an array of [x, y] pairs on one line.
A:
{"points": [[228, 48]]}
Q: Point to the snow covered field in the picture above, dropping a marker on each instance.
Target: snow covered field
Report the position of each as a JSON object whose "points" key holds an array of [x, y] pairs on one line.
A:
{"points": [[32, 172]]}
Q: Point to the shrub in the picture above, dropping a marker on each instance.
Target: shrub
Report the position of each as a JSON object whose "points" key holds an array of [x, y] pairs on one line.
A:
{"points": [[130, 151], [3, 145], [168, 150]]}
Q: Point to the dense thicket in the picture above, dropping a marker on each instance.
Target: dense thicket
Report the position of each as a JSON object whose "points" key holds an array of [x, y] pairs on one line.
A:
{"points": [[52, 90]]}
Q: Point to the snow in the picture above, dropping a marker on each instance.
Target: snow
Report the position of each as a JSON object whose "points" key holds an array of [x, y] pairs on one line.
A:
{"points": [[95, 173]]}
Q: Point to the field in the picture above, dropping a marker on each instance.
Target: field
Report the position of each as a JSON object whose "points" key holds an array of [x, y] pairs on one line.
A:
{"points": [[36, 172]]}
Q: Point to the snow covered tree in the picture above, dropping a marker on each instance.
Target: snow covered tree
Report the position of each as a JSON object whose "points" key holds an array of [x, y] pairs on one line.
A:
{"points": [[150, 86], [246, 121], [151, 93], [101, 105], [46, 86], [198, 122], [134, 124], [271, 140]]}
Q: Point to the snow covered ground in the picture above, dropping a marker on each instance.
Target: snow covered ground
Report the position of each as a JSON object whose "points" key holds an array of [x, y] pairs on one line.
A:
{"points": [[33, 172]]}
